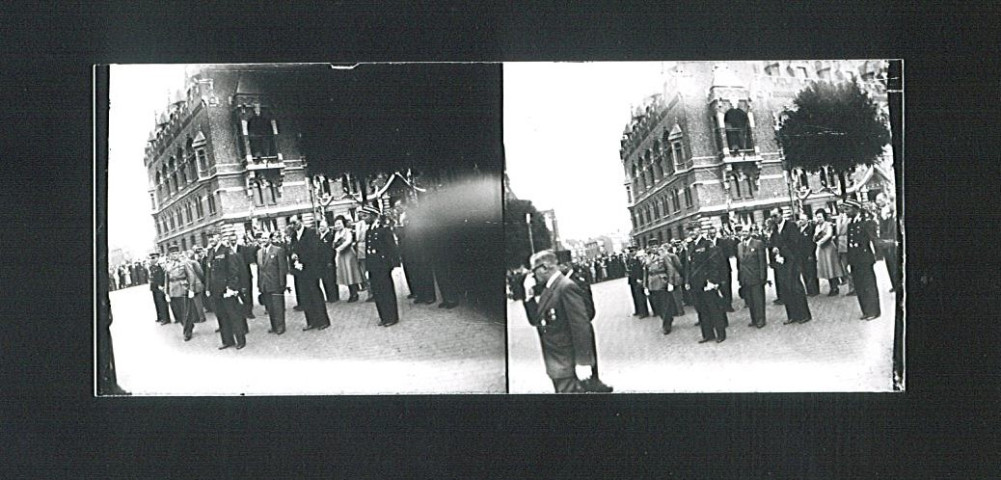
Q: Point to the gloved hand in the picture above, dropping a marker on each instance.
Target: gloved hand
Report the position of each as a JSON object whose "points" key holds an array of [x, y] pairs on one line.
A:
{"points": [[191, 294]]}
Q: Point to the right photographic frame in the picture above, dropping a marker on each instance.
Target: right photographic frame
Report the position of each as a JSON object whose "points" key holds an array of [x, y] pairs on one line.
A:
{"points": [[704, 226]]}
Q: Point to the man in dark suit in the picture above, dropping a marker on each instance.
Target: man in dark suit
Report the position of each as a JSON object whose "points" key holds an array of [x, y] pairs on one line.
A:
{"points": [[330, 288], [887, 242], [726, 248], [634, 269], [272, 276], [248, 254], [704, 279], [752, 273], [560, 314], [808, 254], [381, 257], [308, 263], [157, 285], [786, 244], [224, 284], [861, 233]]}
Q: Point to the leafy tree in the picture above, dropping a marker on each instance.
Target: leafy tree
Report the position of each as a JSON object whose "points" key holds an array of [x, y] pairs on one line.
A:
{"points": [[833, 125], [517, 245]]}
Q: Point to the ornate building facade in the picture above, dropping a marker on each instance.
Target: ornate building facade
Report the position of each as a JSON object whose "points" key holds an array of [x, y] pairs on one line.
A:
{"points": [[225, 156], [705, 149]]}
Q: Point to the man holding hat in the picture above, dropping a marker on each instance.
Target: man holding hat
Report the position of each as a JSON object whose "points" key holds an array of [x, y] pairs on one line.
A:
{"points": [[381, 257], [157, 285], [564, 325], [861, 234], [704, 279]]}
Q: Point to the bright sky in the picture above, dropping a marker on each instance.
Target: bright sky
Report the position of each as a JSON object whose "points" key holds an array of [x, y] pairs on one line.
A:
{"points": [[136, 92], [562, 126]]}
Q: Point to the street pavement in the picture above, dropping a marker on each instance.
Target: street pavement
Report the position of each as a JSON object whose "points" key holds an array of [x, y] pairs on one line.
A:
{"points": [[431, 350], [834, 352]]}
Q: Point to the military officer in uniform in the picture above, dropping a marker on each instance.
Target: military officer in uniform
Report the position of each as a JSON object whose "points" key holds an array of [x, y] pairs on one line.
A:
{"points": [[861, 234], [224, 284], [381, 257], [560, 314], [157, 285], [634, 270], [704, 279], [663, 276]]}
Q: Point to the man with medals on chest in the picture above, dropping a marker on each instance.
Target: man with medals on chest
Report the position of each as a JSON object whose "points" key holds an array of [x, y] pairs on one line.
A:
{"points": [[704, 279], [560, 314], [861, 234], [224, 284]]}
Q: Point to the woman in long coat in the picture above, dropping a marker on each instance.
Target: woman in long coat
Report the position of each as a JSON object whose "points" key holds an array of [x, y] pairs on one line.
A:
{"points": [[348, 271], [828, 265]]}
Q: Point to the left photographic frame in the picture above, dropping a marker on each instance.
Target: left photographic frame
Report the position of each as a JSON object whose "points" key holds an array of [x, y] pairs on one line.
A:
{"points": [[299, 229]]}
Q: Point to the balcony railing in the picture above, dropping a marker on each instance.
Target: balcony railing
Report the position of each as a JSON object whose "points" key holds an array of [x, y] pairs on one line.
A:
{"points": [[265, 163]]}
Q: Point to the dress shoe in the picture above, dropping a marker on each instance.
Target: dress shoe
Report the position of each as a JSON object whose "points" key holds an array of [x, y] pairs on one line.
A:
{"points": [[751, 324], [704, 340], [389, 324], [721, 340], [271, 330], [322, 327], [187, 336], [892, 289], [643, 315], [279, 332], [666, 331], [698, 323], [217, 330], [594, 385], [806, 320], [760, 326], [730, 309], [352, 299], [240, 346], [309, 328], [225, 347], [787, 322]]}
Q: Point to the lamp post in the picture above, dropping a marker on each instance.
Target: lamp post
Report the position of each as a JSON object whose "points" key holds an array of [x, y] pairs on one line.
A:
{"points": [[531, 240]]}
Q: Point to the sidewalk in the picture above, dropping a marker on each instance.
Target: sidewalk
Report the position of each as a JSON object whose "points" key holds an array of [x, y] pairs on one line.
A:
{"points": [[431, 350]]}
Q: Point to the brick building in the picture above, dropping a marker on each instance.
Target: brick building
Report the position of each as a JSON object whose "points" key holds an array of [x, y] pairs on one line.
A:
{"points": [[704, 150], [225, 154]]}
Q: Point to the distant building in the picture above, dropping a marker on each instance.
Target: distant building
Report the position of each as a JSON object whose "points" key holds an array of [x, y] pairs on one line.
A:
{"points": [[225, 155], [705, 151]]}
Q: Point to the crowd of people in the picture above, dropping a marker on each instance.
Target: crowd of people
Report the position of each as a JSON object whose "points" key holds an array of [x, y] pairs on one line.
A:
{"points": [[130, 273], [359, 256], [838, 247]]}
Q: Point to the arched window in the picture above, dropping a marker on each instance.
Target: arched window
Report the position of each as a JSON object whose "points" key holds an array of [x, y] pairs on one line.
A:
{"points": [[159, 185], [261, 136], [738, 131], [189, 160]]}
